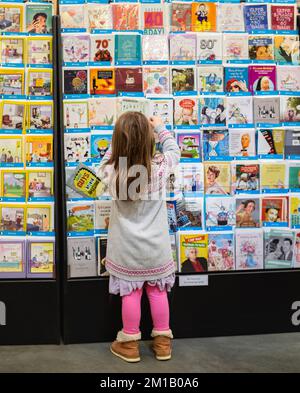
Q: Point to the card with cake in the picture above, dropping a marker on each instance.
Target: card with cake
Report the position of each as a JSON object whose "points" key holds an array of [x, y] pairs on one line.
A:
{"points": [[249, 249], [219, 213], [153, 18], [102, 49], [209, 46], [129, 80], [189, 212]]}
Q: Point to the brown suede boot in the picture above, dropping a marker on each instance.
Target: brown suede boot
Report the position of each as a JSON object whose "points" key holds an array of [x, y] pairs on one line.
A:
{"points": [[126, 347], [162, 344]]}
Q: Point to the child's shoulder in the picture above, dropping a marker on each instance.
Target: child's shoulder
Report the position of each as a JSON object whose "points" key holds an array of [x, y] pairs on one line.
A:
{"points": [[158, 159]]}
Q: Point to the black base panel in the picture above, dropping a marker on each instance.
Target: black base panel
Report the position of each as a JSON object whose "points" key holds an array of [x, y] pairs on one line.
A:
{"points": [[232, 304], [32, 313]]}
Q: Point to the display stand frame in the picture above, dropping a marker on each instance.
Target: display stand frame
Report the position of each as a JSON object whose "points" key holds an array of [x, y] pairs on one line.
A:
{"points": [[233, 303], [30, 307]]}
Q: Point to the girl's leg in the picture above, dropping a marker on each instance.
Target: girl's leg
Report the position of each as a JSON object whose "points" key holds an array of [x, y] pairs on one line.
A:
{"points": [[159, 306], [131, 312]]}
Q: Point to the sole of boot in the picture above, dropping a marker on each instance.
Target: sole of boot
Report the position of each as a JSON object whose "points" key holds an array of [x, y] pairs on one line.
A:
{"points": [[129, 360], [167, 357]]}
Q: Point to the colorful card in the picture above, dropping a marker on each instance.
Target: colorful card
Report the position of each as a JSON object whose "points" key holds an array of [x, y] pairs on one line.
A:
{"points": [[270, 142], [181, 17], [102, 48], [100, 143], [102, 81], [210, 78], [75, 81], [129, 80], [262, 78], [295, 211], [204, 17], [132, 104], [153, 18], [39, 18], [212, 110], [76, 114], [273, 176], [189, 212], [209, 46], [183, 80], [39, 149], [261, 47], [102, 112], [193, 252], [287, 49], [190, 146], [191, 180], [39, 50], [11, 82], [12, 50], [125, 16], [236, 79], [294, 176], [39, 83], [220, 252], [247, 213], [40, 184], [245, 178], [127, 49], [12, 258], [290, 109], [288, 78], [249, 249], [40, 116], [239, 110], [13, 218], [75, 49], [102, 214], [80, 216], [182, 47], [77, 147], [11, 16], [256, 17], [13, 184], [99, 16], [283, 17], [41, 259], [13, 115], [186, 112], [217, 178], [266, 110], [156, 80], [162, 108], [11, 150], [242, 142], [219, 213], [274, 211], [39, 218], [215, 145], [235, 46]]}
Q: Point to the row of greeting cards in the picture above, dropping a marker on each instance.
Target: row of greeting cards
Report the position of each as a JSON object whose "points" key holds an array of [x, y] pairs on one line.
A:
{"points": [[189, 48], [197, 252], [177, 16]]}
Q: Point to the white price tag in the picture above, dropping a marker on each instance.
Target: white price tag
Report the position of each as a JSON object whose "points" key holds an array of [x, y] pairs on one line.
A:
{"points": [[193, 281]]}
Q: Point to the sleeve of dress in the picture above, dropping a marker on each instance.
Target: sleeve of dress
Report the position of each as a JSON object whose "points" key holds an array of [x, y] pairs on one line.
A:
{"points": [[170, 148], [103, 170]]}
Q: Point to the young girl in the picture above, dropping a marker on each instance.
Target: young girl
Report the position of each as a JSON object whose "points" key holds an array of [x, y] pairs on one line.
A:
{"points": [[139, 251]]}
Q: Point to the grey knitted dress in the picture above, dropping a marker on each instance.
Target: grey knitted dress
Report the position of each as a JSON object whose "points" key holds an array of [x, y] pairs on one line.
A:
{"points": [[139, 248]]}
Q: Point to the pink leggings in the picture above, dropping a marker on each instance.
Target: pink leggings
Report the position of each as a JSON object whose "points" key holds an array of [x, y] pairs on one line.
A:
{"points": [[131, 309]]}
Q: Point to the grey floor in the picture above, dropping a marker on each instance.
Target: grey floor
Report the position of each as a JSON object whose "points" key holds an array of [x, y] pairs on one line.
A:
{"points": [[268, 353]]}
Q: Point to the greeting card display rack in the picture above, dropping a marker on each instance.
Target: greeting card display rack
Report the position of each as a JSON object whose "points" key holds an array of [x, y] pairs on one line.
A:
{"points": [[230, 303], [30, 307]]}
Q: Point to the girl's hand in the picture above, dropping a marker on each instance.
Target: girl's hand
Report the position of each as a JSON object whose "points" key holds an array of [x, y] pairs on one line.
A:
{"points": [[155, 121]]}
